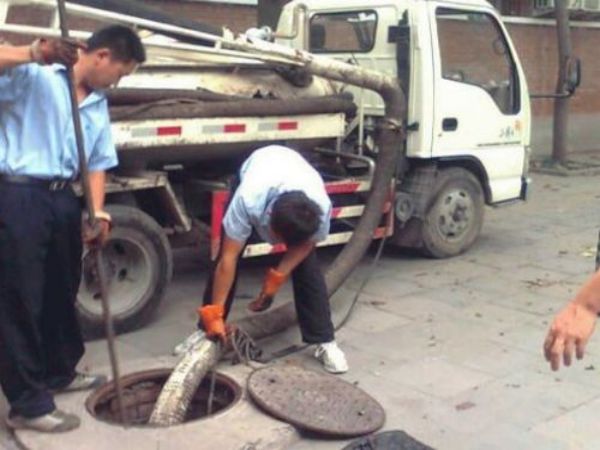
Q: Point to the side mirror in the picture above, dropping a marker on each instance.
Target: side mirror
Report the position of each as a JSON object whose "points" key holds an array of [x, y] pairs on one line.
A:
{"points": [[573, 75]]}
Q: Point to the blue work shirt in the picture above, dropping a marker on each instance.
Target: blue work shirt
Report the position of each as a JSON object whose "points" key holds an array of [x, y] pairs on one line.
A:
{"points": [[37, 136], [264, 176]]}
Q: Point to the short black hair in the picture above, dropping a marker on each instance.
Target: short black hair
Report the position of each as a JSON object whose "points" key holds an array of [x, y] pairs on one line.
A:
{"points": [[295, 217], [124, 43]]}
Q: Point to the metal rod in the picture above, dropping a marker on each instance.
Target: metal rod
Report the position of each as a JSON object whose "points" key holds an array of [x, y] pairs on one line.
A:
{"points": [[87, 194], [211, 393]]}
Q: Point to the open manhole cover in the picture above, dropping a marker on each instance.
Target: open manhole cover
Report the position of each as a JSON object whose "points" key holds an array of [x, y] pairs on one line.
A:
{"points": [[314, 401], [141, 390]]}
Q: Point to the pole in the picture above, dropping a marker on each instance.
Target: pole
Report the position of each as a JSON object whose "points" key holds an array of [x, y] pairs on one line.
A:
{"points": [[87, 195], [561, 104]]}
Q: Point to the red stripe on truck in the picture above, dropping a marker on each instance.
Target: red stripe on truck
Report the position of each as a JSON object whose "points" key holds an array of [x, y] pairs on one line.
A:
{"points": [[342, 188], [168, 131], [287, 126], [235, 128]]}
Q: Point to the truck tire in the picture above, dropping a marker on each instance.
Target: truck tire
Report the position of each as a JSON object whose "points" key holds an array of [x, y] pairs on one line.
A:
{"points": [[139, 264], [454, 219]]}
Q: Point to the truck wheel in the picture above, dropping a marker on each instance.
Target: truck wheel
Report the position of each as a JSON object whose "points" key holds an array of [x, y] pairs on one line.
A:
{"points": [[455, 217], [138, 263]]}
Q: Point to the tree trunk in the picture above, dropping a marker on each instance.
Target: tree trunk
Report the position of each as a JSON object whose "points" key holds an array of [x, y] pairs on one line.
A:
{"points": [[561, 105], [269, 12]]}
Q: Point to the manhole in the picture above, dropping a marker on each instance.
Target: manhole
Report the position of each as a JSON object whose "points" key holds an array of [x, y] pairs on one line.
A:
{"points": [[141, 390]]}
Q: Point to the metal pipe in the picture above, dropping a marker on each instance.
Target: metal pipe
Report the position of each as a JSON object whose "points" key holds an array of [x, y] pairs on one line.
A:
{"points": [[87, 194], [368, 161]]}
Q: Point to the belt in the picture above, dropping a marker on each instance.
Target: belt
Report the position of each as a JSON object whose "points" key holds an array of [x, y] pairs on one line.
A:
{"points": [[54, 184]]}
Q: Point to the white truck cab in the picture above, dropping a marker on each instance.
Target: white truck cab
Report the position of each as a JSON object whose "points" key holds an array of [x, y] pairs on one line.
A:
{"points": [[468, 104]]}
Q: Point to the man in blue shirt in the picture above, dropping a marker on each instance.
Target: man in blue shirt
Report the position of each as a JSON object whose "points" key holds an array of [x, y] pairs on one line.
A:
{"points": [[283, 198], [40, 216]]}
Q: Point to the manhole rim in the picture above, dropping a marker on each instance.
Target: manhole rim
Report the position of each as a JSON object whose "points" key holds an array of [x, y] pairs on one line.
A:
{"points": [[149, 375]]}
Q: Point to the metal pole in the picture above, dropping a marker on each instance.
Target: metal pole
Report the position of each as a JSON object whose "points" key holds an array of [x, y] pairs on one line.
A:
{"points": [[87, 194]]}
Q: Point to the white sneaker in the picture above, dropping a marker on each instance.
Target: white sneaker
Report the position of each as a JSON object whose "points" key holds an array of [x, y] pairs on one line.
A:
{"points": [[54, 422], [332, 357], [83, 382]]}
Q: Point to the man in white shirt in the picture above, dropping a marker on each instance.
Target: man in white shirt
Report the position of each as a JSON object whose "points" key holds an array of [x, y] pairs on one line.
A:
{"points": [[283, 198]]}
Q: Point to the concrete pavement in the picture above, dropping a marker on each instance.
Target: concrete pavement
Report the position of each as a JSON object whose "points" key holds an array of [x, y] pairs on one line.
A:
{"points": [[452, 348]]}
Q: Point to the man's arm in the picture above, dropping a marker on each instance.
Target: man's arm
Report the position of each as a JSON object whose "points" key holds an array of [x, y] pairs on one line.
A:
{"points": [[97, 188], [43, 51], [213, 315], [14, 56], [97, 235], [225, 270], [573, 325], [276, 277], [294, 256]]}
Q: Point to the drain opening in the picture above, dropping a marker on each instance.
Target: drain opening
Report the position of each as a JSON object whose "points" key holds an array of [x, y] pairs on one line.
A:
{"points": [[141, 390]]}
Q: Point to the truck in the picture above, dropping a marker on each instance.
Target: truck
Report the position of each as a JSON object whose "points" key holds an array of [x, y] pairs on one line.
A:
{"points": [[184, 122]]}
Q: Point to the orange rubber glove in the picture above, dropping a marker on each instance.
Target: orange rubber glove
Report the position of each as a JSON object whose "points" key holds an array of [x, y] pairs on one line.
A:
{"points": [[212, 317], [273, 281]]}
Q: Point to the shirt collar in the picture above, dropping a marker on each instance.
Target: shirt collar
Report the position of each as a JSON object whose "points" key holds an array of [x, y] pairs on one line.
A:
{"points": [[94, 97]]}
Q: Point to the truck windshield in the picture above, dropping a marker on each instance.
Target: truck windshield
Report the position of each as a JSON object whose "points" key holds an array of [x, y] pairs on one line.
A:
{"points": [[473, 50], [352, 32]]}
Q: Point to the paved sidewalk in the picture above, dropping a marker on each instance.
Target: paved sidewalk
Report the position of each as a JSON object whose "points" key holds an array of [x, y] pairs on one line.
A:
{"points": [[452, 348]]}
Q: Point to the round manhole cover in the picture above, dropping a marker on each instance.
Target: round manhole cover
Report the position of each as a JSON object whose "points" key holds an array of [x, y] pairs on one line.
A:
{"points": [[314, 401]]}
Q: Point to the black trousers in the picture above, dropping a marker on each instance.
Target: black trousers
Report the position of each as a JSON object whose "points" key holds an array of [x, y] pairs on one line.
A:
{"points": [[40, 269], [310, 299]]}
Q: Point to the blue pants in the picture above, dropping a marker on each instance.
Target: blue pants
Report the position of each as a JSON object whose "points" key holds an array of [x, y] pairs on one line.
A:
{"points": [[40, 270]]}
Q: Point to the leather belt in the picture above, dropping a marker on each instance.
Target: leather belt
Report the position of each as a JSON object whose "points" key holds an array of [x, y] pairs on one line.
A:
{"points": [[53, 184]]}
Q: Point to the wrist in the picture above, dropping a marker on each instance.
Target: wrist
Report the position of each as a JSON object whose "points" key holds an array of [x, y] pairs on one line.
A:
{"points": [[587, 303], [211, 312], [274, 279], [35, 52], [103, 215]]}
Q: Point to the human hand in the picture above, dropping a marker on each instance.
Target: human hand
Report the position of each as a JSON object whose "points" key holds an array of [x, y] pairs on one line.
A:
{"points": [[62, 51], [213, 321], [273, 281], [569, 332], [96, 235]]}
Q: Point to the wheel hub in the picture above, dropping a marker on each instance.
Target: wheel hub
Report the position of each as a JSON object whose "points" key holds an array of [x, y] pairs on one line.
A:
{"points": [[455, 214], [127, 269]]}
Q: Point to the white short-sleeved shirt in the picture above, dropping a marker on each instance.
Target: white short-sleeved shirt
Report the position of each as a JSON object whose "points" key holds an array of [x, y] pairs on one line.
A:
{"points": [[264, 176]]}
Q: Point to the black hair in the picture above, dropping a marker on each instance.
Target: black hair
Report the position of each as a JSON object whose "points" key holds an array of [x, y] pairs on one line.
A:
{"points": [[295, 217], [124, 43]]}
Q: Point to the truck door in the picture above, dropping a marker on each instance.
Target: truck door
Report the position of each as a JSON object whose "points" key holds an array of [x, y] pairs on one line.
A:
{"points": [[481, 109]]}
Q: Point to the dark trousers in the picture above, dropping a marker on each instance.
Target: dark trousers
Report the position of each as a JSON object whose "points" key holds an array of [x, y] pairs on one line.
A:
{"points": [[310, 299], [40, 269]]}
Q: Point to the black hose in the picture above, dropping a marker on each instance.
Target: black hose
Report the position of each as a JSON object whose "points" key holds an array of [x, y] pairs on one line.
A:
{"points": [[136, 96], [191, 109]]}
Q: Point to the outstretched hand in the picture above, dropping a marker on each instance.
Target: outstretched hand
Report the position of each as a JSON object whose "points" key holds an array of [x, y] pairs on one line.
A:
{"points": [[569, 334]]}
